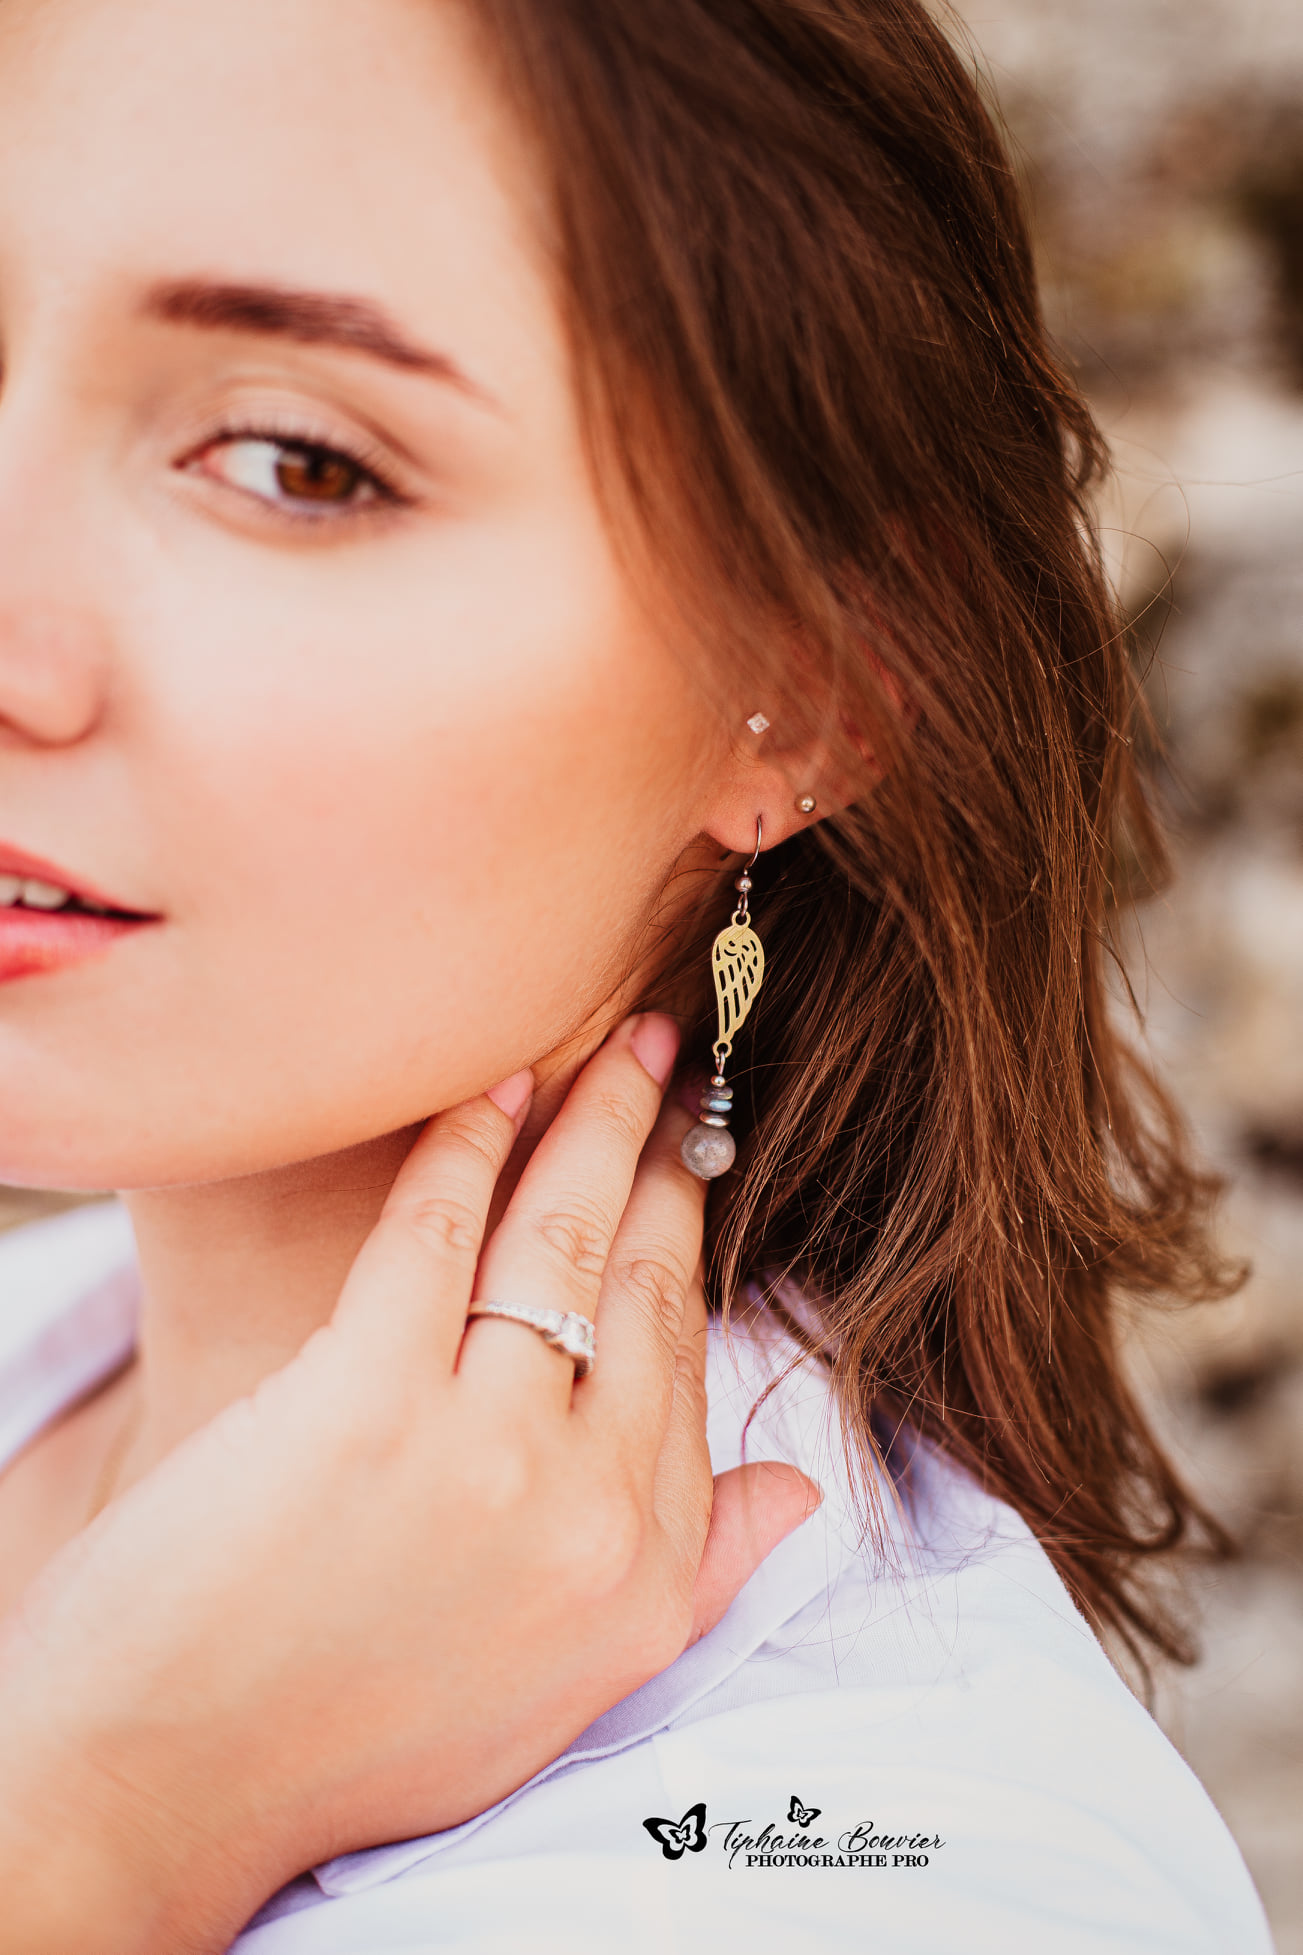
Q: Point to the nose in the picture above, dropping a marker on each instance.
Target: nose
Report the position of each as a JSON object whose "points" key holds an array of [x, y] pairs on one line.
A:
{"points": [[54, 652], [52, 672]]}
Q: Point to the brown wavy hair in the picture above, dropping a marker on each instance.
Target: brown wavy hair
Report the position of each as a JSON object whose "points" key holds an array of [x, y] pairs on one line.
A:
{"points": [[814, 372]]}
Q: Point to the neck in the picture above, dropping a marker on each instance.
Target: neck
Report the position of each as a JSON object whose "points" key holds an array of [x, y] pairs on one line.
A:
{"points": [[236, 1275]]}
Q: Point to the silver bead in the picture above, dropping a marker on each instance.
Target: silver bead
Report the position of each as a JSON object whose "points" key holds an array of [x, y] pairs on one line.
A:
{"points": [[708, 1151], [743, 883], [717, 1079]]}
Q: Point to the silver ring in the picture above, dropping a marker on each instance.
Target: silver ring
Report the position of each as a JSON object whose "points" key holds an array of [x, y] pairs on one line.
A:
{"points": [[565, 1330]]}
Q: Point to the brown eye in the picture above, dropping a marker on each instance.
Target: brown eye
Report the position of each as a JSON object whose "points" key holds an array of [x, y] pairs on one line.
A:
{"points": [[318, 475], [290, 474]]}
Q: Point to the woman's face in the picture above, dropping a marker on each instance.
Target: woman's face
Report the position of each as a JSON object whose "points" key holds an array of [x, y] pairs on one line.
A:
{"points": [[313, 646]]}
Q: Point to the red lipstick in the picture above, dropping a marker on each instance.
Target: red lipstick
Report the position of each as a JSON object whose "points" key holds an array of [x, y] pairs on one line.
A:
{"points": [[50, 919]]}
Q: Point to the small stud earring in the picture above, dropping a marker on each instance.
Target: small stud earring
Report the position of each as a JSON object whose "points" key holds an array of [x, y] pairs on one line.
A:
{"points": [[758, 723], [806, 804]]}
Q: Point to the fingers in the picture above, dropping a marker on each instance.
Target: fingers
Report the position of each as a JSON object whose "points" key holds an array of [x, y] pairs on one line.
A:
{"points": [[722, 1528], [552, 1246], [410, 1285], [651, 1316], [755, 1507], [682, 1488]]}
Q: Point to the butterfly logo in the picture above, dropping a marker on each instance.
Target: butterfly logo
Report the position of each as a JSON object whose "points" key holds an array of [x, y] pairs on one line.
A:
{"points": [[677, 1837], [799, 1815]]}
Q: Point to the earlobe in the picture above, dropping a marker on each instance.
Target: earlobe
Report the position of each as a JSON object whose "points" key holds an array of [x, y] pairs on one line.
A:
{"points": [[768, 786]]}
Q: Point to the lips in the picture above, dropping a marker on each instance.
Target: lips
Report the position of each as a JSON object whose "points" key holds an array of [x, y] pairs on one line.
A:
{"points": [[50, 919], [17, 865]]}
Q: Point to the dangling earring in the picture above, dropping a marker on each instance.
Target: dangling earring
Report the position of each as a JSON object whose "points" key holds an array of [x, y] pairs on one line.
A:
{"points": [[738, 962]]}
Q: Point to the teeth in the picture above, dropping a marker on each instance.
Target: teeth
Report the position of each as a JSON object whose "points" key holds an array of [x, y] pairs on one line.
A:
{"points": [[44, 895], [34, 895]]}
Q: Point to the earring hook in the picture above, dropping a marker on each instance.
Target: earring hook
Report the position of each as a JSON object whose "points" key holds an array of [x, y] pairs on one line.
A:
{"points": [[760, 835]]}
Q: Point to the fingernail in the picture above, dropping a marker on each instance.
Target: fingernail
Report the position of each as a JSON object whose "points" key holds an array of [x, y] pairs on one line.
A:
{"points": [[513, 1094], [655, 1045]]}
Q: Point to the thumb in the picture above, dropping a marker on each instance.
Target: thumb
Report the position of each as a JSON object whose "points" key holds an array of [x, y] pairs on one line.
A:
{"points": [[756, 1506]]}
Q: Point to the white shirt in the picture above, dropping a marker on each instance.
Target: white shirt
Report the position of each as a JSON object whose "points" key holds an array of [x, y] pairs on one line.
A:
{"points": [[939, 1686]]}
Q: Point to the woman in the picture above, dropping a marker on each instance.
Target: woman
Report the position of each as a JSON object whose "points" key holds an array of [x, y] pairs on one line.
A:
{"points": [[475, 480]]}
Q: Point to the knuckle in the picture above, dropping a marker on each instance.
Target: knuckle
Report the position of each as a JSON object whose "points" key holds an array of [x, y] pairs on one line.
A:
{"points": [[601, 1560], [657, 1286], [445, 1223], [468, 1129], [369, 1412], [623, 1123], [690, 1378], [580, 1235], [498, 1481]]}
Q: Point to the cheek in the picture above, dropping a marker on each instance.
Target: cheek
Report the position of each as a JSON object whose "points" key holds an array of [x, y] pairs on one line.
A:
{"points": [[407, 845]]}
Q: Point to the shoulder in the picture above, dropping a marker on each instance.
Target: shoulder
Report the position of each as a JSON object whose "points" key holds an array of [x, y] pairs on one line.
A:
{"points": [[906, 1738], [987, 1820], [944, 1686], [1011, 1797]]}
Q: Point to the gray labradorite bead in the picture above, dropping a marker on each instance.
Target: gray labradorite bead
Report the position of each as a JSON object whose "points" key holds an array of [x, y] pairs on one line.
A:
{"points": [[716, 1103], [708, 1151]]}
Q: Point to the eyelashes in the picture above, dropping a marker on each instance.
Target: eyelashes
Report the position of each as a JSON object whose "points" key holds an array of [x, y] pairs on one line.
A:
{"points": [[296, 473]]}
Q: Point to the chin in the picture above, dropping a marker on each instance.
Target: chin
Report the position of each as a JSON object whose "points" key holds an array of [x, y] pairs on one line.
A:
{"points": [[84, 1142], [35, 1157], [87, 1114]]}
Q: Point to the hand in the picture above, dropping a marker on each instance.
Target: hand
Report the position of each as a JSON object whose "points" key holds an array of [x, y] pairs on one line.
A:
{"points": [[380, 1593]]}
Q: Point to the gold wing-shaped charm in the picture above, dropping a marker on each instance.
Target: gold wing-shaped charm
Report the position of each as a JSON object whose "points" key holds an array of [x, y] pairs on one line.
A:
{"points": [[739, 965]]}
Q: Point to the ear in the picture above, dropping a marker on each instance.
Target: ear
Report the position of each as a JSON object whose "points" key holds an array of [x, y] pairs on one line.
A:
{"points": [[777, 778], [786, 787], [765, 793]]}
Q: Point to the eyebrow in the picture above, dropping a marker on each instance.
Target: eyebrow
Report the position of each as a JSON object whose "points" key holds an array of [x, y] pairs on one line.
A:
{"points": [[332, 319]]}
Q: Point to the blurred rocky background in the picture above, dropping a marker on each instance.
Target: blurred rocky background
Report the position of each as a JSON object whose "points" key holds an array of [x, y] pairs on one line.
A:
{"points": [[1162, 148]]}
